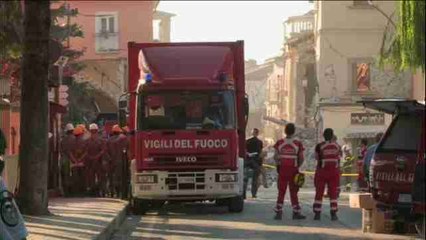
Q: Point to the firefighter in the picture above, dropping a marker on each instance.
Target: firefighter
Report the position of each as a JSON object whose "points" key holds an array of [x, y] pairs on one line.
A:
{"points": [[78, 155], [96, 148], [362, 184], [66, 145], [327, 154], [117, 143], [289, 157]]}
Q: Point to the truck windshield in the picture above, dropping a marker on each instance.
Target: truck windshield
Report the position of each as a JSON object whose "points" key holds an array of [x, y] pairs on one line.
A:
{"points": [[186, 110]]}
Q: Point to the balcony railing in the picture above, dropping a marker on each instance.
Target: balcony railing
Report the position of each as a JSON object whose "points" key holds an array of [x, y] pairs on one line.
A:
{"points": [[297, 25]]}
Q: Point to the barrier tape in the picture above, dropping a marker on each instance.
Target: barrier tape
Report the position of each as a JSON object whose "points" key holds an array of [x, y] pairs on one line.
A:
{"points": [[313, 173]]}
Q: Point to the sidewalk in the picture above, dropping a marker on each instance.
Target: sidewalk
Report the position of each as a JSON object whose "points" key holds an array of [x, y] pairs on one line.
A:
{"points": [[78, 218]]}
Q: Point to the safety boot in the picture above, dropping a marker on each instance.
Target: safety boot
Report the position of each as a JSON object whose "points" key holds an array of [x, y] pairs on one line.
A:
{"points": [[334, 216], [278, 216], [317, 216], [298, 216]]}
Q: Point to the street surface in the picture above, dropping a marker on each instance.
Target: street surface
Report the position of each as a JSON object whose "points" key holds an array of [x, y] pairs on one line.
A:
{"points": [[207, 221]]}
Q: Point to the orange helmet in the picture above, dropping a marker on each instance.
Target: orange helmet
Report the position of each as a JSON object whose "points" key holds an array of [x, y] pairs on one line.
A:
{"points": [[78, 131], [83, 127], [116, 129]]}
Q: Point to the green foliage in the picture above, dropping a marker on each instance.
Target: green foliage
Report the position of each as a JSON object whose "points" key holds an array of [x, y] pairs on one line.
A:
{"points": [[80, 108], [407, 47]]}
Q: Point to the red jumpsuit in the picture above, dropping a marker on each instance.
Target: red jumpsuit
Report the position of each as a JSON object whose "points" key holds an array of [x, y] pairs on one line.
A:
{"points": [[290, 155], [328, 155], [362, 184], [96, 148]]}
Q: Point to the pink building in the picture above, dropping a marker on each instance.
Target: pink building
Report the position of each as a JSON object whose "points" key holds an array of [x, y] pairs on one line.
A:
{"points": [[108, 26]]}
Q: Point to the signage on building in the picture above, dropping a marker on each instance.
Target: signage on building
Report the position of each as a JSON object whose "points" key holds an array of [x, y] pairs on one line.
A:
{"points": [[367, 118]]}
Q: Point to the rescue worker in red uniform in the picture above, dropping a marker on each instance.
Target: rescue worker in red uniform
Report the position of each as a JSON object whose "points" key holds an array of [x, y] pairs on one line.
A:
{"points": [[66, 145], [78, 154], [117, 144], [289, 157], [362, 184], [327, 154], [96, 148]]}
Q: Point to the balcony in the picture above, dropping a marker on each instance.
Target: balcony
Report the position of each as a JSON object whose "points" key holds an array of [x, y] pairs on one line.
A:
{"points": [[106, 42], [299, 24]]}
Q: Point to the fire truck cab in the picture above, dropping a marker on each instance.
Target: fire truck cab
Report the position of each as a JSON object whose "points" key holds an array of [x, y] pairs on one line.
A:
{"points": [[188, 108]]}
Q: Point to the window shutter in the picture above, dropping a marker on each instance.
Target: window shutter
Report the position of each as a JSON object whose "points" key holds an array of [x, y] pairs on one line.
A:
{"points": [[103, 24], [111, 25]]}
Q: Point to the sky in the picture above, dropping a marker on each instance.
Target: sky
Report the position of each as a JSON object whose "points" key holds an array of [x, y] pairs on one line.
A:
{"points": [[258, 23]]}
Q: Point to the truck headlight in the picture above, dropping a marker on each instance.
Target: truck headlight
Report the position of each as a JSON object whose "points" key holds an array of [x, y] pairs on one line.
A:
{"points": [[226, 177], [147, 179]]}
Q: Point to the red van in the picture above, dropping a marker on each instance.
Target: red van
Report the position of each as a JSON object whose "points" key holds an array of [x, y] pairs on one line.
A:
{"points": [[397, 168]]}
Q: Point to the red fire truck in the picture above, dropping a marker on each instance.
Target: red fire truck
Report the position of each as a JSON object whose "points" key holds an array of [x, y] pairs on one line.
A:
{"points": [[188, 107]]}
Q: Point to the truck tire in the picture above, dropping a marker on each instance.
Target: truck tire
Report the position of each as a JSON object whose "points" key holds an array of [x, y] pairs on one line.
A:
{"points": [[139, 207], [236, 204], [222, 202]]}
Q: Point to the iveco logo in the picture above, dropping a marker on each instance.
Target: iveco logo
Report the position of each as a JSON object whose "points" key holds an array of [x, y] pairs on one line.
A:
{"points": [[186, 159]]}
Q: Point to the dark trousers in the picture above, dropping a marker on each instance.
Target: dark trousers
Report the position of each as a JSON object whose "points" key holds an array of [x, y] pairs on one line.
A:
{"points": [[253, 171]]}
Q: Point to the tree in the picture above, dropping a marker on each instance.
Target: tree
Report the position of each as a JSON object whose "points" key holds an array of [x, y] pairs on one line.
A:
{"points": [[407, 47], [33, 153]]}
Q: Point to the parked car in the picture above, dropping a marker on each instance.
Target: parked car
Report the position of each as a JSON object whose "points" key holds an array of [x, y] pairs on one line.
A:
{"points": [[397, 168]]}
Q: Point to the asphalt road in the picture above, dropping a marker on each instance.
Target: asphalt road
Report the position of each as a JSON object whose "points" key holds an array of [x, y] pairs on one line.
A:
{"points": [[207, 221]]}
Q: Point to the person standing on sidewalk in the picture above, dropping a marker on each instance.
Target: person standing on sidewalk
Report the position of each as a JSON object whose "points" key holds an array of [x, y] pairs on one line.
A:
{"points": [[67, 142], [78, 156], [254, 148], [117, 145], [96, 148], [369, 155], [327, 154], [289, 156], [362, 184]]}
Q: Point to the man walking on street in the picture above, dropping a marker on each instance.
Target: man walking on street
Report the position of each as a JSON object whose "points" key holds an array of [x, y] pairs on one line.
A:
{"points": [[254, 148], [96, 148], [289, 157], [66, 145], [327, 154]]}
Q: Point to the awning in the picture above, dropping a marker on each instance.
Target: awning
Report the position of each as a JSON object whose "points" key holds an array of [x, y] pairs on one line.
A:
{"points": [[366, 132]]}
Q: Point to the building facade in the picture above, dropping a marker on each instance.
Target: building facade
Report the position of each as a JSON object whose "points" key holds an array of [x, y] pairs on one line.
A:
{"points": [[108, 26], [348, 39]]}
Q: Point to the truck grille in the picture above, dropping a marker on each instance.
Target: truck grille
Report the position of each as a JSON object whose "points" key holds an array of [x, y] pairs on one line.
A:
{"points": [[172, 162], [185, 181]]}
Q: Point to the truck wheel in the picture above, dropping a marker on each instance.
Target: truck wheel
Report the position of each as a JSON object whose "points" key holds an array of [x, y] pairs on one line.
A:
{"points": [[236, 204], [139, 207], [222, 202], [420, 227]]}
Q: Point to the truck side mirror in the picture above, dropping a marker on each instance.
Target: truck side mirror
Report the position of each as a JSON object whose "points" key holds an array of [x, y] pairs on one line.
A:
{"points": [[123, 109]]}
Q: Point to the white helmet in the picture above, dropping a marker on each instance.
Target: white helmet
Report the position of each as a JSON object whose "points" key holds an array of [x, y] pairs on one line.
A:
{"points": [[93, 126], [69, 127]]}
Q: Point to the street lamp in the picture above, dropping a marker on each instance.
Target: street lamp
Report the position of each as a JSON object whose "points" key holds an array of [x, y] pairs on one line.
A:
{"points": [[370, 2]]}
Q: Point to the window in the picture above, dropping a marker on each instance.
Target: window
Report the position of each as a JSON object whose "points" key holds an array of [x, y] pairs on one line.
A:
{"points": [[404, 134], [187, 110], [106, 32]]}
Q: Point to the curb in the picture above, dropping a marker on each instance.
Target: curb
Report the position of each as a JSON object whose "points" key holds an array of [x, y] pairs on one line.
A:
{"points": [[113, 225]]}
